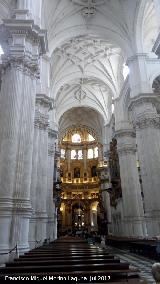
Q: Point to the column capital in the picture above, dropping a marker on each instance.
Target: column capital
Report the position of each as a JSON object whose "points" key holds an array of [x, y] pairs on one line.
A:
{"points": [[23, 42], [142, 99], [136, 56], [52, 133], [125, 133], [144, 111], [126, 143], [146, 121], [45, 101]]}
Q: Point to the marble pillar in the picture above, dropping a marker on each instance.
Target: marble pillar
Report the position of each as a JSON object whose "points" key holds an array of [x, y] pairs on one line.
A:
{"points": [[20, 70], [138, 76], [147, 124], [51, 202], [39, 185], [131, 192]]}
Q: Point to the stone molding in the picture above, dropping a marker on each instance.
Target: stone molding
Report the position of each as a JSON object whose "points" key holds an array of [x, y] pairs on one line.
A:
{"points": [[125, 133], [125, 141], [6, 206], [45, 101], [22, 207], [41, 120], [146, 121], [51, 150], [156, 47], [142, 99], [135, 57], [126, 149], [23, 42], [52, 133]]}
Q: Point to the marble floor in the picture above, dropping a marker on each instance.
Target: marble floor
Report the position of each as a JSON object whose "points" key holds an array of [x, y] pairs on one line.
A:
{"points": [[136, 261]]}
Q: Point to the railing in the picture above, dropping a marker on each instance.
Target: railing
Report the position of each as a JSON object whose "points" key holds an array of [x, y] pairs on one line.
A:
{"points": [[80, 180], [9, 252], [36, 242]]}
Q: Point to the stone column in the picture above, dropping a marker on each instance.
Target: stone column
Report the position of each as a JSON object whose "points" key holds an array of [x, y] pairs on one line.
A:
{"points": [[157, 9], [51, 203], [138, 76], [131, 191], [68, 154], [21, 42], [85, 158], [32, 224], [39, 170], [147, 124], [106, 184]]}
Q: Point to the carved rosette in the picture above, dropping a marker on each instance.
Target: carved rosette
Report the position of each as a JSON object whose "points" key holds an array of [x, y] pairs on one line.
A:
{"points": [[23, 43], [88, 7]]}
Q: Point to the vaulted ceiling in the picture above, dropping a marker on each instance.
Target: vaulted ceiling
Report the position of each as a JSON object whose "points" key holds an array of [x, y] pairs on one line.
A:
{"points": [[89, 42]]}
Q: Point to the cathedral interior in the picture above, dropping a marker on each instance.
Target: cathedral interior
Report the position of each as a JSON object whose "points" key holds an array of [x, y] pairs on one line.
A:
{"points": [[79, 122]]}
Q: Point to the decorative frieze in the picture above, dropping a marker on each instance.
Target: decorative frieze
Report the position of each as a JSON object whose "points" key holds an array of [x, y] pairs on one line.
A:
{"points": [[147, 121]]}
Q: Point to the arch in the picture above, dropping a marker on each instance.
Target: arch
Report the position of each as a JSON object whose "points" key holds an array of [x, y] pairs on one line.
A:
{"points": [[156, 84], [72, 128], [139, 24], [146, 26]]}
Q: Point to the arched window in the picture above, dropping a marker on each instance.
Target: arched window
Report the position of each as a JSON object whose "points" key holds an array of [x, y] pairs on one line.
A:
{"points": [[80, 155], [76, 138], [90, 153], [73, 154], [90, 138], [62, 153], [96, 152]]}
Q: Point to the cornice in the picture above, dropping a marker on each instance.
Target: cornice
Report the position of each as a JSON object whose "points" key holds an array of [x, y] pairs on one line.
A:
{"points": [[125, 133]]}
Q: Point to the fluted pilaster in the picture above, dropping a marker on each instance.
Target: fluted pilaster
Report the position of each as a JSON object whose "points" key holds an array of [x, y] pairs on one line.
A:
{"points": [[147, 125], [131, 191], [51, 206], [21, 42]]}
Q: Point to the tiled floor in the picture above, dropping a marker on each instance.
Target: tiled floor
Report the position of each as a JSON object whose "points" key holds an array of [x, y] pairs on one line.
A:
{"points": [[142, 263]]}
